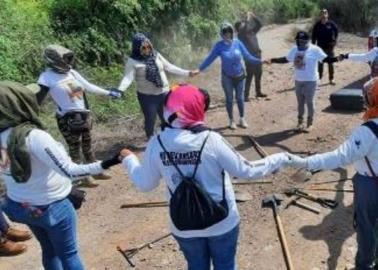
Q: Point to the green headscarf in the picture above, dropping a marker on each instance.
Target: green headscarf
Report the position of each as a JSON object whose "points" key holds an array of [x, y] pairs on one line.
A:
{"points": [[18, 109]]}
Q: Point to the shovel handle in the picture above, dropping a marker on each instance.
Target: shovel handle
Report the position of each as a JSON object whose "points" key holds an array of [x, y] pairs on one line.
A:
{"points": [[285, 247], [306, 206]]}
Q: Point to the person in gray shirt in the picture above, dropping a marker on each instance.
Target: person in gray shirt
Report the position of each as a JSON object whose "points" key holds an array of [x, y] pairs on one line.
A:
{"points": [[247, 30]]}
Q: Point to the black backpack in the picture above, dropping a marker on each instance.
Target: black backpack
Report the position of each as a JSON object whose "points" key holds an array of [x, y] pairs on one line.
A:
{"points": [[191, 207]]}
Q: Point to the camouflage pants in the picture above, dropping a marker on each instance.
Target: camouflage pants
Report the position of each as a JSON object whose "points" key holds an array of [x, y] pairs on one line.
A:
{"points": [[77, 142]]}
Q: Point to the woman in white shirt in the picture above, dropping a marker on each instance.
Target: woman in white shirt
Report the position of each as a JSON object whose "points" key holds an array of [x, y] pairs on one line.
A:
{"points": [[148, 68], [361, 150], [67, 88], [38, 176], [305, 57], [184, 145]]}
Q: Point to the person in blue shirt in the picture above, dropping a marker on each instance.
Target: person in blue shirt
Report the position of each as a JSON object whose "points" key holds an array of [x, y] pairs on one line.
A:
{"points": [[231, 51]]}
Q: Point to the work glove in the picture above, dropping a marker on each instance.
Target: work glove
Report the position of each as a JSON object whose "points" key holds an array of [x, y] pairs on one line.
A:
{"points": [[115, 93], [107, 163], [296, 161]]}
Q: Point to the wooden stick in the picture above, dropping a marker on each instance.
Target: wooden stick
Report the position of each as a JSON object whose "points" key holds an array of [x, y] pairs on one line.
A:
{"points": [[246, 182], [329, 189], [332, 181], [258, 147]]}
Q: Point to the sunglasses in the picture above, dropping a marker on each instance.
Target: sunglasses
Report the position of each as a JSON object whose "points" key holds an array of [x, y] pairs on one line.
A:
{"points": [[227, 31]]}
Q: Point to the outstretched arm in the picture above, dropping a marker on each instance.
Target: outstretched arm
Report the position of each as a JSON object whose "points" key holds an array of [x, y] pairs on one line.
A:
{"points": [[170, 68], [145, 175], [89, 86], [279, 60], [355, 148], [236, 165], [210, 58]]}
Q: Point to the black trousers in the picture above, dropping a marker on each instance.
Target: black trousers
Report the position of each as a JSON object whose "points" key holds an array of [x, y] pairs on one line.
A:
{"points": [[252, 70], [331, 71]]}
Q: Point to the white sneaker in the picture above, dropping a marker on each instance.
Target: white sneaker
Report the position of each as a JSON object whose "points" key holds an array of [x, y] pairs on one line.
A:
{"points": [[243, 123], [232, 125]]}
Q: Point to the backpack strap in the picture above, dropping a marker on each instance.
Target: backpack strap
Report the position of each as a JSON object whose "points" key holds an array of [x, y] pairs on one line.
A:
{"points": [[199, 155], [175, 165], [374, 128]]}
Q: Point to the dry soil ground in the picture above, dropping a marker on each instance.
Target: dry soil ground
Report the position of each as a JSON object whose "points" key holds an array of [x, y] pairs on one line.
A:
{"points": [[324, 241]]}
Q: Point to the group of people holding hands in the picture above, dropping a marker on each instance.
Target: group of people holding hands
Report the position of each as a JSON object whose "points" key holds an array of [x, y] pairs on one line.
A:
{"points": [[193, 160]]}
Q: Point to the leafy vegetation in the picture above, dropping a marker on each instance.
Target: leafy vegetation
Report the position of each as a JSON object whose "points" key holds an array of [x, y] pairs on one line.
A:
{"points": [[100, 31]]}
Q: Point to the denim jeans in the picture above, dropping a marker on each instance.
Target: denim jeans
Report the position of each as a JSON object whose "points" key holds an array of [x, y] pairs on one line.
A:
{"points": [[199, 252], [3, 224], [54, 228], [228, 87], [366, 221], [151, 105]]}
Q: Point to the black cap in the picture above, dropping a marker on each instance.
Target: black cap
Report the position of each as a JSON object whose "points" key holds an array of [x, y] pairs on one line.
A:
{"points": [[302, 35]]}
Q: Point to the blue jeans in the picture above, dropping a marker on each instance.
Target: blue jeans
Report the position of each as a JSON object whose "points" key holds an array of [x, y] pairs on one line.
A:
{"points": [[54, 228], [228, 87], [3, 224], [366, 221], [220, 250], [151, 105]]}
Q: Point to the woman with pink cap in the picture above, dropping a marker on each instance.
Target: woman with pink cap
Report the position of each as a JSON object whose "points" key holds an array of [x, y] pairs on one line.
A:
{"points": [[196, 164]]}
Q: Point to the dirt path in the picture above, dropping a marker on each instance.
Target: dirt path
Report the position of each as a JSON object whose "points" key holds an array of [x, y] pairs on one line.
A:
{"points": [[324, 241]]}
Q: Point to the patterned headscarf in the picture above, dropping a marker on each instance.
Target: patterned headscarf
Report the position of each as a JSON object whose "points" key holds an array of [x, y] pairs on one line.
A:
{"points": [[152, 70], [185, 106], [371, 95]]}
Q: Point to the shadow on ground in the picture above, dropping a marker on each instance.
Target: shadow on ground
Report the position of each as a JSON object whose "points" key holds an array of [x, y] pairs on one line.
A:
{"points": [[335, 228]]}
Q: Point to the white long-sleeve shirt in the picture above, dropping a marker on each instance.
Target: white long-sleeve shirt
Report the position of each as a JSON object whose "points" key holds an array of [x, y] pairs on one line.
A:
{"points": [[371, 56], [361, 143], [364, 57], [67, 89], [137, 70], [217, 156], [52, 170]]}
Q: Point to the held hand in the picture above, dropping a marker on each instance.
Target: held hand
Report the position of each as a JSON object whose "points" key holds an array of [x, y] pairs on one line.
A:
{"points": [[193, 73], [125, 153], [342, 56], [267, 61], [107, 163], [115, 93], [296, 161]]}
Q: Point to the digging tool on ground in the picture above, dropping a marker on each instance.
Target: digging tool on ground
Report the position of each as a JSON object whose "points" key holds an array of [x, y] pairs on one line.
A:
{"points": [[145, 204], [305, 206], [330, 189], [273, 201], [325, 202], [250, 182], [332, 181], [240, 197], [128, 253], [258, 147]]}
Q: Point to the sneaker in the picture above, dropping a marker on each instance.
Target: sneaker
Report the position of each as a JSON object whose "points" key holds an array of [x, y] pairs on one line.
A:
{"points": [[102, 176], [87, 182], [300, 126], [261, 95], [232, 125], [309, 125], [16, 235], [332, 82], [10, 248], [243, 123]]}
